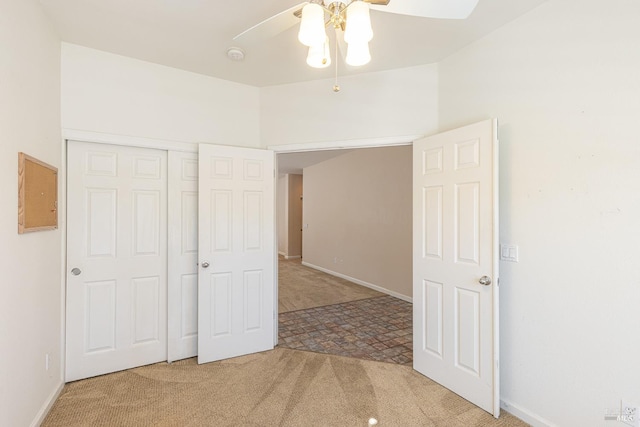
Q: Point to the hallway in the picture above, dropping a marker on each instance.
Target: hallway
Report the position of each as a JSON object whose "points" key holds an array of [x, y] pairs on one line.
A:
{"points": [[327, 314]]}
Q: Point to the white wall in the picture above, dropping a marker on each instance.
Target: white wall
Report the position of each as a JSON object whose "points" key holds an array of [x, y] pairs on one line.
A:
{"points": [[294, 217], [31, 300], [289, 215], [564, 83], [358, 208], [371, 105], [282, 196], [103, 92]]}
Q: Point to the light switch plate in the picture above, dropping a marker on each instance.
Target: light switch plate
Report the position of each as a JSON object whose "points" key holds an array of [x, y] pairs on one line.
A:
{"points": [[509, 253]]}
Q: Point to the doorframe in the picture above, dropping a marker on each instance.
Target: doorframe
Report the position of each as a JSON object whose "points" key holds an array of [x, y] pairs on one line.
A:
{"points": [[350, 144], [347, 144], [129, 141]]}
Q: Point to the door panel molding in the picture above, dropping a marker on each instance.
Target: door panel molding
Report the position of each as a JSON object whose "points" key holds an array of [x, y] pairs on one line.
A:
{"points": [[117, 247], [455, 224], [237, 253]]}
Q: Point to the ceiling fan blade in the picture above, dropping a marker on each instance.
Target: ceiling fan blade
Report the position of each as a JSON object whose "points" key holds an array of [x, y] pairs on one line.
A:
{"points": [[271, 26], [441, 9]]}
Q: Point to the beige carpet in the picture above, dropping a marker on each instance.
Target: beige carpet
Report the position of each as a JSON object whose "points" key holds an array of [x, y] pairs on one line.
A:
{"points": [[276, 388], [301, 287]]}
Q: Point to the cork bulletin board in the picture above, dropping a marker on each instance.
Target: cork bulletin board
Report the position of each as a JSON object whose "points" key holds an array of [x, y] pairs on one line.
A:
{"points": [[37, 195]]}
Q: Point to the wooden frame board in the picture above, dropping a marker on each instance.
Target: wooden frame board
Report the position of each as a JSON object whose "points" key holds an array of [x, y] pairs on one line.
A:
{"points": [[37, 195]]}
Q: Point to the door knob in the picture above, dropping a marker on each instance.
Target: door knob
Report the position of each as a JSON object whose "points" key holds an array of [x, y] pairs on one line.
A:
{"points": [[485, 280], [205, 264], [76, 271]]}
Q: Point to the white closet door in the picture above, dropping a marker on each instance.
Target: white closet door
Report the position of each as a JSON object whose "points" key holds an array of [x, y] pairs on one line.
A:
{"points": [[116, 258], [455, 262], [237, 254], [183, 255]]}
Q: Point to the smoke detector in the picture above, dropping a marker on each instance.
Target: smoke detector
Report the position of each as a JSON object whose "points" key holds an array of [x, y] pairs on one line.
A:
{"points": [[235, 54]]}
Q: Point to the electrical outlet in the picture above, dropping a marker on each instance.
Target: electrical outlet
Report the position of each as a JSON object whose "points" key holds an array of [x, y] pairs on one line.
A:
{"points": [[46, 362], [630, 414]]}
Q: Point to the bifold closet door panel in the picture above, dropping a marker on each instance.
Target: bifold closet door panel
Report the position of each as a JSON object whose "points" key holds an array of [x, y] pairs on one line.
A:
{"points": [[183, 256], [116, 258]]}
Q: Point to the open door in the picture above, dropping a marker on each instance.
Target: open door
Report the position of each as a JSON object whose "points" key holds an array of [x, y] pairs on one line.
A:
{"points": [[236, 278], [455, 262]]}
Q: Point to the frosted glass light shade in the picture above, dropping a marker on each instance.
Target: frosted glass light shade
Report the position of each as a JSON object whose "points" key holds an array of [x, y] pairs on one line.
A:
{"points": [[358, 54], [358, 23], [319, 56], [311, 31]]}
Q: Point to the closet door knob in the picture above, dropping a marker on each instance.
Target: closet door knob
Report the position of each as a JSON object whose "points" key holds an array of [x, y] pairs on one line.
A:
{"points": [[205, 264], [76, 271], [485, 280]]}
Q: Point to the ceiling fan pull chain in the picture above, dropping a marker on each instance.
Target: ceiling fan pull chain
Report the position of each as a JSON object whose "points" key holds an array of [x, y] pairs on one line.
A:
{"points": [[336, 88]]}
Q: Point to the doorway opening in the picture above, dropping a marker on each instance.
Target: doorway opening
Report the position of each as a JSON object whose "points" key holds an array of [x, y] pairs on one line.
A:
{"points": [[348, 292]]}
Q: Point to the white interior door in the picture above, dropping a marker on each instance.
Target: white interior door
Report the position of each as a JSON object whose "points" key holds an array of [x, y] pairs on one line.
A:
{"points": [[183, 256], [237, 255], [116, 258], [455, 268]]}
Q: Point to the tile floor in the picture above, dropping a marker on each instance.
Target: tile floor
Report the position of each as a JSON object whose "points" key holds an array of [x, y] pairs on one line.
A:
{"points": [[373, 329]]}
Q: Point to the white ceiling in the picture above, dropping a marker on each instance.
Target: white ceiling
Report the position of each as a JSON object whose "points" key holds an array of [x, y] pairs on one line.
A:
{"points": [[194, 35], [294, 163]]}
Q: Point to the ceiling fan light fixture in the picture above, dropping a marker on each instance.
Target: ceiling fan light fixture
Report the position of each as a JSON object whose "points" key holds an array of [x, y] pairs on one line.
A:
{"points": [[358, 27], [319, 56], [312, 31], [358, 54]]}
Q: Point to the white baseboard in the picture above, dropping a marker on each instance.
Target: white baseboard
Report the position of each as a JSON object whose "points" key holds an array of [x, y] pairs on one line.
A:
{"points": [[285, 256], [359, 282], [42, 414], [524, 414]]}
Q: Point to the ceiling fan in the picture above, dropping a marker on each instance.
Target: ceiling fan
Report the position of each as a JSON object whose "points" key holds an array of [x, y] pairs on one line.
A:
{"points": [[351, 18]]}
